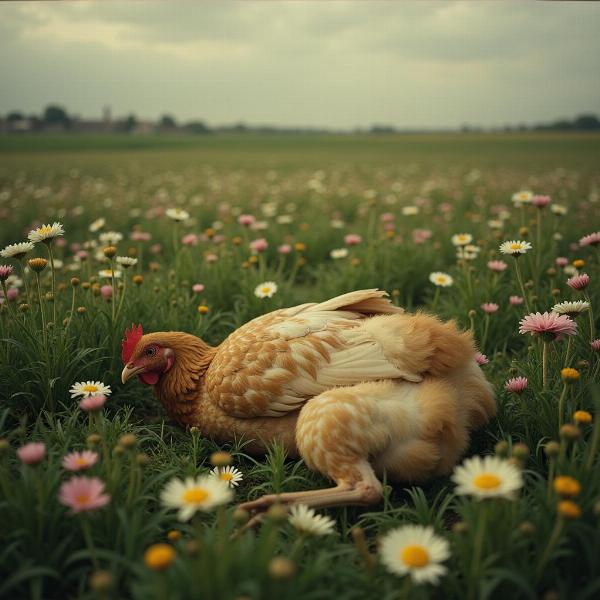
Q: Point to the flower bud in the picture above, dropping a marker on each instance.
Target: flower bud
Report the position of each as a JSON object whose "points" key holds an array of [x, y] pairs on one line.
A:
{"points": [[552, 449], [281, 568], [220, 459]]}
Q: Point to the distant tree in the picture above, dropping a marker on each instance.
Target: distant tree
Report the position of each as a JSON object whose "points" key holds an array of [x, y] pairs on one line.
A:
{"points": [[586, 122], [56, 115], [198, 127], [15, 115], [128, 124], [167, 122]]}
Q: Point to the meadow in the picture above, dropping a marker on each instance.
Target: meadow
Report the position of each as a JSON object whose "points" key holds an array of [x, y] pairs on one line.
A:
{"points": [[189, 229]]}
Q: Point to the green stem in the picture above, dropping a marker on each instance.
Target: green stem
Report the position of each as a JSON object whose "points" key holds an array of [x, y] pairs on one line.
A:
{"points": [[561, 406], [87, 534], [554, 538], [477, 549], [42, 311], [520, 280], [24, 275], [485, 332], [545, 364], [435, 298], [568, 352], [551, 471], [121, 300], [593, 448], [591, 318], [53, 272], [11, 308]]}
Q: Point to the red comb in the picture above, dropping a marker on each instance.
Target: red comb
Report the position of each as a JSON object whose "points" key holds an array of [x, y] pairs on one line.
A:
{"points": [[132, 337]]}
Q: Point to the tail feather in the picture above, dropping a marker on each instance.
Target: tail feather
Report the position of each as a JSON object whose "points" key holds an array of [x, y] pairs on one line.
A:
{"points": [[421, 343]]}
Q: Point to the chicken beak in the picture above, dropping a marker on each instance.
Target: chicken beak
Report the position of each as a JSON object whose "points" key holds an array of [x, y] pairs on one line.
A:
{"points": [[128, 372]]}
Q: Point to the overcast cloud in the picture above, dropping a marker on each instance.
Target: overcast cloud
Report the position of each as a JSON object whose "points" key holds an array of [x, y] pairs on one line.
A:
{"points": [[333, 64]]}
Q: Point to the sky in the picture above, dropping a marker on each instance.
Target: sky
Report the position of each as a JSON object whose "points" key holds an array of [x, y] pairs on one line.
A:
{"points": [[332, 64]]}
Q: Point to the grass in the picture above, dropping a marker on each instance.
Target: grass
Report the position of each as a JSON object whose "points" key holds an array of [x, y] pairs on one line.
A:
{"points": [[326, 187]]}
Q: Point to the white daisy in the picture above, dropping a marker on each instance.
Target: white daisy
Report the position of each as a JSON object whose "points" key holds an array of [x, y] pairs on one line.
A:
{"points": [[416, 551], [108, 273], [97, 225], [177, 214], [409, 211], [487, 477], [462, 239], [558, 209], [17, 250], [441, 279], [523, 197], [284, 219], [338, 253], [495, 224], [266, 289], [572, 309], [306, 521], [464, 254], [110, 238], [201, 493], [46, 233], [126, 261], [89, 388], [228, 474], [515, 247]]}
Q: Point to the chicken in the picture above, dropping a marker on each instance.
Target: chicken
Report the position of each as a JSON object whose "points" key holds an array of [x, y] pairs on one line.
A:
{"points": [[353, 385]]}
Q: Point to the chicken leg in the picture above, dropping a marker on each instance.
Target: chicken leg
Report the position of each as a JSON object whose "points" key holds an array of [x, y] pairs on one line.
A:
{"points": [[411, 431]]}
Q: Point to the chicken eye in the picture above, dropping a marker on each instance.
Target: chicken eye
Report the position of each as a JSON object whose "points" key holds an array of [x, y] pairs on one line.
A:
{"points": [[151, 351]]}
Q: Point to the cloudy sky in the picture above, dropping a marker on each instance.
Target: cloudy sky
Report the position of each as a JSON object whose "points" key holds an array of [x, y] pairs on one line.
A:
{"points": [[335, 64]]}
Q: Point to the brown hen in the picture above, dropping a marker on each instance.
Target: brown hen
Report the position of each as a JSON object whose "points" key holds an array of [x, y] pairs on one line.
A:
{"points": [[353, 385]]}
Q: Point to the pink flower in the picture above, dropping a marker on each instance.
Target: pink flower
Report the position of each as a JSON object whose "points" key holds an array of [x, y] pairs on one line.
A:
{"points": [[156, 249], [246, 220], [60, 242], [549, 325], [541, 201], [32, 453], [259, 245], [481, 359], [593, 239], [79, 461], [284, 249], [516, 300], [579, 282], [489, 307], [140, 236], [561, 261], [387, 217], [352, 239], [218, 239], [516, 385], [82, 494], [211, 258], [106, 291], [74, 247], [596, 345], [93, 403], [497, 265], [190, 239], [5, 272], [198, 288], [445, 207], [420, 236], [11, 294]]}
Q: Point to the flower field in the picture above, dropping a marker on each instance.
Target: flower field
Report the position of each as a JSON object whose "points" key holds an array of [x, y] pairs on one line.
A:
{"points": [[102, 496]]}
